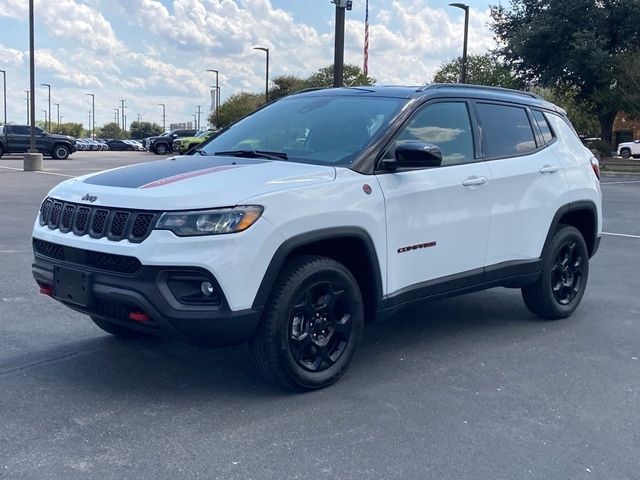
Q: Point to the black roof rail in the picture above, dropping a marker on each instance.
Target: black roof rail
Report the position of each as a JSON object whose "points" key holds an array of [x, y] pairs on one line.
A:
{"points": [[479, 87]]}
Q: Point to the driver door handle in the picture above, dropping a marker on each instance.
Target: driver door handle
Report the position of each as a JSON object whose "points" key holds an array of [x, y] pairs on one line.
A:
{"points": [[475, 181], [549, 169]]}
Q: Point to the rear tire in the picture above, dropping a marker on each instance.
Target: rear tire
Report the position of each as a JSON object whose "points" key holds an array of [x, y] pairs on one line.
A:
{"points": [[311, 326], [161, 149], [1, 151], [118, 330], [565, 270]]}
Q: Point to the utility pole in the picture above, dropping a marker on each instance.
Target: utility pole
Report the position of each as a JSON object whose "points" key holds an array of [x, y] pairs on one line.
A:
{"points": [[4, 78], [49, 122], [32, 159], [164, 116], [27, 92], [199, 111], [92, 126], [338, 53], [217, 97], [139, 119], [124, 125], [58, 111]]}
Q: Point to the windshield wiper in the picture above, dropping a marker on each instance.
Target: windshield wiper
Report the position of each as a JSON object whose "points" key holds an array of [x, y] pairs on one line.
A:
{"points": [[255, 154]]}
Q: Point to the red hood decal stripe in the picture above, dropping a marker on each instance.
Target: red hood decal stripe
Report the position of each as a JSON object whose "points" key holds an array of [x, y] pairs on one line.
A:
{"points": [[186, 175]]}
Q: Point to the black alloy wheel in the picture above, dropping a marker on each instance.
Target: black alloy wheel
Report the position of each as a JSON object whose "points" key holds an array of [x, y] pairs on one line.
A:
{"points": [[563, 280], [311, 325], [626, 153], [320, 326], [567, 273], [161, 149]]}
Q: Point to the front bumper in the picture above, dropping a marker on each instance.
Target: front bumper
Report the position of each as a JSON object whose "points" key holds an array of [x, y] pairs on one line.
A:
{"points": [[120, 298]]}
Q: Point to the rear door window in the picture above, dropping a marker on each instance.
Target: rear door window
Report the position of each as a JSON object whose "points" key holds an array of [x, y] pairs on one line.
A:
{"points": [[506, 131]]}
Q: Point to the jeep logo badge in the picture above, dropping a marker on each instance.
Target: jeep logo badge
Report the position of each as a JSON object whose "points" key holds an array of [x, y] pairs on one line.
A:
{"points": [[89, 198]]}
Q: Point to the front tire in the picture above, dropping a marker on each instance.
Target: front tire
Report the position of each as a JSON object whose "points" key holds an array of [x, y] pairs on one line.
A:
{"points": [[60, 152], [565, 270], [625, 153], [311, 326], [118, 330]]}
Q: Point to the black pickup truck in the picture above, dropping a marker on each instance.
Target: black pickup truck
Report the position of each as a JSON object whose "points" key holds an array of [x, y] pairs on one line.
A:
{"points": [[16, 139], [164, 143]]}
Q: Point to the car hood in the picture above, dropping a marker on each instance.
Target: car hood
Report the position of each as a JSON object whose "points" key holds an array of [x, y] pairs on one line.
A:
{"points": [[627, 144], [190, 182], [62, 137]]}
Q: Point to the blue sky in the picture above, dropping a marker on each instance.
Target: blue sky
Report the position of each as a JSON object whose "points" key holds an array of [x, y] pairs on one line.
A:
{"points": [[157, 51]]}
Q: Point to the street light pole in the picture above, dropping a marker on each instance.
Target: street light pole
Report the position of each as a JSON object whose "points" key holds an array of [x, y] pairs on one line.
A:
{"points": [[48, 121], [164, 117], [217, 100], [266, 87], [92, 126], [28, 106], [199, 111], [4, 78], [58, 112], [463, 76], [116, 118], [32, 159]]}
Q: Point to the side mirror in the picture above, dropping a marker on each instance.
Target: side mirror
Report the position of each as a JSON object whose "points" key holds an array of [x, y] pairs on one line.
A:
{"points": [[415, 154]]}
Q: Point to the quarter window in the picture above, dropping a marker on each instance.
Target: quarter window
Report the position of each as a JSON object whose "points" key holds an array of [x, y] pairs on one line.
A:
{"points": [[542, 123], [506, 130], [446, 125]]}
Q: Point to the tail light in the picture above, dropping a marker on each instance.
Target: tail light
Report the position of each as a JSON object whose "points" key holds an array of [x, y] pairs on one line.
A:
{"points": [[595, 164]]}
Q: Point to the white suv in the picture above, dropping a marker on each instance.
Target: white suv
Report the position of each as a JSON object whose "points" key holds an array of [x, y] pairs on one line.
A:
{"points": [[629, 149], [323, 211]]}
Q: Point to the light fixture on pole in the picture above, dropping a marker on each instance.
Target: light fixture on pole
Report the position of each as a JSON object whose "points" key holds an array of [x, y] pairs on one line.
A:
{"points": [[164, 116], [49, 121], [4, 79], [92, 125], [217, 98], [266, 88], [463, 76], [58, 115], [338, 53]]}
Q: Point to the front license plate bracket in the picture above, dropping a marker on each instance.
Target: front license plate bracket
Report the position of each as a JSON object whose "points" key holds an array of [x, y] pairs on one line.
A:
{"points": [[71, 286]]}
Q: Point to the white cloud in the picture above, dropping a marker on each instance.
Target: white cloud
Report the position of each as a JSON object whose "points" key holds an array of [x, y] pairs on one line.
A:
{"points": [[159, 54]]}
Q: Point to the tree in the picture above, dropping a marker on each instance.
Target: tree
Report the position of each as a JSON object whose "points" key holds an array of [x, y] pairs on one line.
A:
{"points": [[353, 77], [111, 130], [578, 46], [585, 122], [144, 129], [481, 70], [237, 106], [71, 129], [286, 85]]}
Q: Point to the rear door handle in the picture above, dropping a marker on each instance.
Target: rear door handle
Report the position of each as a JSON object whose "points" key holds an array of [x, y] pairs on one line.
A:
{"points": [[475, 181], [549, 169]]}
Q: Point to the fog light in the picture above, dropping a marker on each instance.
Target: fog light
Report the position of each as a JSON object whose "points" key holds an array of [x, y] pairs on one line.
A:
{"points": [[206, 288]]}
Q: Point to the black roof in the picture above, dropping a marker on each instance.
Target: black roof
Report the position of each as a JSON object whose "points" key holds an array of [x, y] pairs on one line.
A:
{"points": [[440, 90]]}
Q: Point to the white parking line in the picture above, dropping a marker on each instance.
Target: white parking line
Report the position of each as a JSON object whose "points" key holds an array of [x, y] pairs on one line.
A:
{"points": [[619, 183], [44, 173], [625, 235]]}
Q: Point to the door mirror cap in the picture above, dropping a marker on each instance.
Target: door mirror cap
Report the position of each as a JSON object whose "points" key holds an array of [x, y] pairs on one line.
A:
{"points": [[415, 154]]}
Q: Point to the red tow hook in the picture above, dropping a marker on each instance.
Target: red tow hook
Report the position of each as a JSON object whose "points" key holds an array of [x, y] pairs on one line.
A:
{"points": [[139, 317], [46, 290]]}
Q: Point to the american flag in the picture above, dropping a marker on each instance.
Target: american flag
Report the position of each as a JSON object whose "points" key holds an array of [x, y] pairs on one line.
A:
{"points": [[366, 40]]}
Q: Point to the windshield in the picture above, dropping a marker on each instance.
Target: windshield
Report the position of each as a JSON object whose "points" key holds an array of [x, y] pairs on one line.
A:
{"points": [[312, 129], [201, 134]]}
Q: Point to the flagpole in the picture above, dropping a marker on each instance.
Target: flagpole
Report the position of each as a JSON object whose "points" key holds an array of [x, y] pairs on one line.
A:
{"points": [[366, 40]]}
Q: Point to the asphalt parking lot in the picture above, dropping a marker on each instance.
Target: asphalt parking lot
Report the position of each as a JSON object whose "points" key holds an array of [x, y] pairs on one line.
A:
{"points": [[467, 388]]}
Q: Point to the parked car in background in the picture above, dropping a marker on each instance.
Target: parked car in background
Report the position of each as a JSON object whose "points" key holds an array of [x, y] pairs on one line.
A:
{"points": [[629, 149], [136, 145], [164, 143], [120, 145], [17, 139], [181, 145]]}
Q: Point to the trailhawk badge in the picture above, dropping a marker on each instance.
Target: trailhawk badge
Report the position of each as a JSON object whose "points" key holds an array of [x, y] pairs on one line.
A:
{"points": [[89, 198]]}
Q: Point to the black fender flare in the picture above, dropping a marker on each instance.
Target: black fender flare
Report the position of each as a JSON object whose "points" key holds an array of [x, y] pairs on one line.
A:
{"points": [[307, 238], [581, 205]]}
